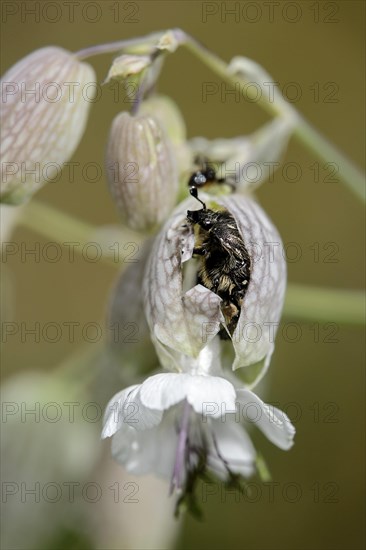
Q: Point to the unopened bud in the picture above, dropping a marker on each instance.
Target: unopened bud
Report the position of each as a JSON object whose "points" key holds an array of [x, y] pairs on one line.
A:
{"points": [[167, 112], [142, 171], [164, 109], [127, 65], [139, 72], [44, 108]]}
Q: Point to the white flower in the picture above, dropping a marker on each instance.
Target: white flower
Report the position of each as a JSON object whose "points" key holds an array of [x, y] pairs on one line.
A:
{"points": [[184, 317], [179, 425]]}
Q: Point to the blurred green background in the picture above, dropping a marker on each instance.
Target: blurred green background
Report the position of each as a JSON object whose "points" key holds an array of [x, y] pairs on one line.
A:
{"points": [[319, 382]]}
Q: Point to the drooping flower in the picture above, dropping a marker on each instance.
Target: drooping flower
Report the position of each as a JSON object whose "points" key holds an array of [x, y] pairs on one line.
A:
{"points": [[44, 108], [183, 425]]}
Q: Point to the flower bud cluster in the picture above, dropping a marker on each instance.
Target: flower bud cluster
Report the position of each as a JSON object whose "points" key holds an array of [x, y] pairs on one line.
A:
{"points": [[199, 285]]}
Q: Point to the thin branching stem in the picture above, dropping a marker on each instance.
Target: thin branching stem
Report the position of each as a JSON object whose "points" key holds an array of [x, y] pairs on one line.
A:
{"points": [[302, 302], [303, 131]]}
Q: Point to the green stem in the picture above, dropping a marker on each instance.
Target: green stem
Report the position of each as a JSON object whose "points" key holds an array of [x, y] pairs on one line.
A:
{"points": [[306, 303], [139, 45], [63, 228], [322, 148], [54, 224], [220, 67], [303, 131], [302, 302]]}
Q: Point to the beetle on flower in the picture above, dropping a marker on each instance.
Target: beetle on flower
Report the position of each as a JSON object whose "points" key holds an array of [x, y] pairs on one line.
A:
{"points": [[184, 423]]}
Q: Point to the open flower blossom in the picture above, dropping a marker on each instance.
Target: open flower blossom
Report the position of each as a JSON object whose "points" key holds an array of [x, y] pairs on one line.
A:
{"points": [[180, 425], [184, 317], [187, 422]]}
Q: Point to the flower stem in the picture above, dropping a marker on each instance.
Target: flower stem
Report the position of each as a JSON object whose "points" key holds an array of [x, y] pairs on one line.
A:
{"points": [[303, 131], [322, 148], [65, 229], [138, 45], [305, 303], [54, 224], [302, 302]]}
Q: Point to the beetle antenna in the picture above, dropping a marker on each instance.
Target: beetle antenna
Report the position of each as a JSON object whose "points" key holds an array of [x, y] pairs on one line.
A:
{"points": [[193, 191]]}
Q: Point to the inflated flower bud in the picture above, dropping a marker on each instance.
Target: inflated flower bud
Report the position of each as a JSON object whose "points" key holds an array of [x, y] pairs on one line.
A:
{"points": [[142, 170], [166, 111], [183, 322], [45, 100]]}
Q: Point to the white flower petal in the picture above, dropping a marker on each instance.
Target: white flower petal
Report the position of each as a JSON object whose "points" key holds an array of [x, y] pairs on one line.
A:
{"points": [[135, 450], [169, 358], [201, 318], [113, 419], [274, 423], [188, 247], [203, 315], [203, 393], [125, 408], [231, 446], [150, 451], [208, 361]]}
